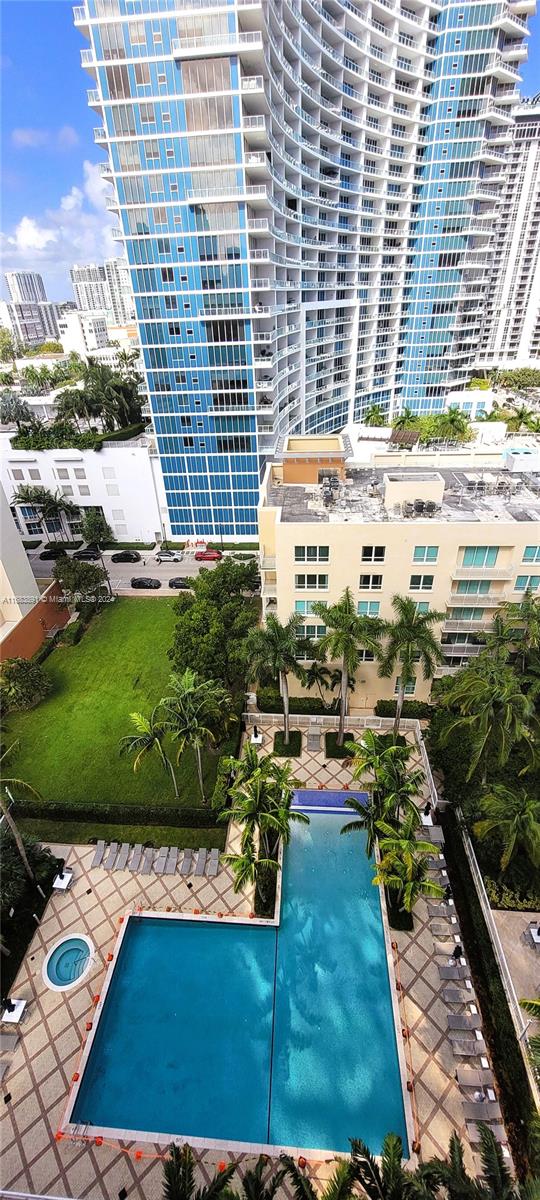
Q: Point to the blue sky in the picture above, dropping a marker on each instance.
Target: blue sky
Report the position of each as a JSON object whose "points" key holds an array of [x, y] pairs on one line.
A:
{"points": [[53, 207]]}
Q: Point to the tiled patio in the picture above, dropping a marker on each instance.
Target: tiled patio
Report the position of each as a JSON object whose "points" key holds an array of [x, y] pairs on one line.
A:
{"points": [[42, 1065]]}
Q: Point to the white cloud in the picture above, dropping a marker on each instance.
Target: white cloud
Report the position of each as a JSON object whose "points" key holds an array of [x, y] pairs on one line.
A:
{"points": [[77, 230], [31, 139]]}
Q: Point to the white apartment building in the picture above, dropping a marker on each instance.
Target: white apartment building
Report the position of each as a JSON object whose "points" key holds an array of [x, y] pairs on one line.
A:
{"points": [[18, 588], [511, 325], [122, 299], [25, 287], [83, 332], [30, 323], [123, 479], [104, 288], [458, 536]]}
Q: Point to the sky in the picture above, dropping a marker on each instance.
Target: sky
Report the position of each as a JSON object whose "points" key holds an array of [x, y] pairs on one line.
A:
{"points": [[53, 198]]}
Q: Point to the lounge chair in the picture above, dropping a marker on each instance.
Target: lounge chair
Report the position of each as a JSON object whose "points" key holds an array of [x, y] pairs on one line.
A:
{"points": [[172, 861], [135, 860], [464, 1021], [473, 1132], [109, 861], [4, 1066], [453, 995], [148, 858], [482, 1110], [160, 860], [441, 910], [120, 864], [437, 861], [469, 1048], [98, 856], [201, 861], [187, 862], [8, 1042], [449, 971], [443, 929], [475, 1077], [212, 865], [435, 835]]}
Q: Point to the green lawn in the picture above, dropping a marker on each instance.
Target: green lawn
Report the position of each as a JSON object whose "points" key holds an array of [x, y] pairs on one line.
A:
{"points": [[69, 744]]}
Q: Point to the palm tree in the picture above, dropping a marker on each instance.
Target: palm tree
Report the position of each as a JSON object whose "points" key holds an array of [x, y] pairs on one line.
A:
{"points": [[262, 807], [340, 1186], [490, 703], [522, 418], [249, 868], [195, 710], [454, 424], [52, 506], [406, 419], [532, 1007], [495, 1181], [347, 634], [71, 404], [404, 864], [367, 820], [410, 639], [514, 818], [7, 787], [255, 1186], [382, 768], [499, 640], [272, 651], [179, 1177], [374, 416], [317, 675], [525, 614], [148, 739], [390, 1180]]}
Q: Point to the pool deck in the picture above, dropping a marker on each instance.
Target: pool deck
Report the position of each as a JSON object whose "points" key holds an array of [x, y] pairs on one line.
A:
{"points": [[41, 1067]]}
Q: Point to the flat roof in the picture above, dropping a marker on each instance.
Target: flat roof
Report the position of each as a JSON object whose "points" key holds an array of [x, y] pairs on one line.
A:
{"points": [[359, 499]]}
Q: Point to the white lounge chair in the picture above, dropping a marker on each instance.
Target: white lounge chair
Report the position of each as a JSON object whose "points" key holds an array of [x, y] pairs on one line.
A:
{"points": [[482, 1110], [187, 861], [110, 859], [160, 860], [201, 861], [98, 856], [461, 1021], [212, 865], [148, 858], [135, 860], [172, 861], [475, 1077], [121, 862]]}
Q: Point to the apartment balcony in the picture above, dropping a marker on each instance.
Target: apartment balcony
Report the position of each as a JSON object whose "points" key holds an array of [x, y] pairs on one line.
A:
{"points": [[105, 169], [87, 59], [492, 600], [471, 649], [252, 83], [100, 134], [485, 572], [80, 18], [268, 562], [489, 153], [117, 235], [94, 98], [502, 69], [209, 45], [452, 626], [510, 22]]}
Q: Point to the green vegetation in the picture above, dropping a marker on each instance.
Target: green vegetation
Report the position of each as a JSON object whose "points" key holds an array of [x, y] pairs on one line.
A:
{"points": [[23, 683], [347, 633], [213, 620], [26, 896], [49, 506], [269, 700], [82, 832], [290, 747], [94, 527], [333, 748], [271, 653], [44, 348], [69, 745], [453, 425], [411, 640], [7, 346]]}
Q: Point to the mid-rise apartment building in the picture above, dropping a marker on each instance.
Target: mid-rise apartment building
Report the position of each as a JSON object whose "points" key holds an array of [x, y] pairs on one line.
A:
{"points": [[25, 287], [305, 192], [511, 319], [104, 288], [30, 323], [459, 539]]}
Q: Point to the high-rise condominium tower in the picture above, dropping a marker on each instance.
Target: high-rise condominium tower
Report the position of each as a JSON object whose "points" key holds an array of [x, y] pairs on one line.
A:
{"points": [[104, 287], [306, 190], [511, 325], [25, 287]]}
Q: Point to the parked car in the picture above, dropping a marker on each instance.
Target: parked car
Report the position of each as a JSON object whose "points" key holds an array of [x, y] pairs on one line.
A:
{"points": [[144, 581], [179, 582], [169, 556], [53, 552], [126, 556], [208, 556], [89, 554]]}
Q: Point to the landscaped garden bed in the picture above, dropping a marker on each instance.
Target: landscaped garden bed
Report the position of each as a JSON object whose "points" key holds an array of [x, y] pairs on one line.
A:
{"points": [[292, 749]]}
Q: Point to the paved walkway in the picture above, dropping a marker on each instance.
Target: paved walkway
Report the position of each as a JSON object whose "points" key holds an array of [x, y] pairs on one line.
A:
{"points": [[522, 957]]}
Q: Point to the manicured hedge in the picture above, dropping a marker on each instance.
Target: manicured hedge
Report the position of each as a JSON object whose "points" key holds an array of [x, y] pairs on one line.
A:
{"points": [[119, 814], [331, 745], [120, 435], [31, 543], [415, 709], [63, 545], [269, 700], [293, 749]]}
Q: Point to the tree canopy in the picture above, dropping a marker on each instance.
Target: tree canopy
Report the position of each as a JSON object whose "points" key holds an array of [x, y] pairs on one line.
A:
{"points": [[214, 621]]}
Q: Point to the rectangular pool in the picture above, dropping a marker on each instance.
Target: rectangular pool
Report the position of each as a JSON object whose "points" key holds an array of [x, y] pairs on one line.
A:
{"points": [[245, 1033]]}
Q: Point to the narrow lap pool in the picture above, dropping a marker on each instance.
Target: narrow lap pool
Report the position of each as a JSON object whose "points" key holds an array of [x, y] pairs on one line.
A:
{"points": [[252, 1034]]}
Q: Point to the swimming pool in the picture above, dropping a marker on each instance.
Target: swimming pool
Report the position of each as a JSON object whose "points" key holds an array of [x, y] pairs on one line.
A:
{"points": [[253, 1034], [67, 962]]}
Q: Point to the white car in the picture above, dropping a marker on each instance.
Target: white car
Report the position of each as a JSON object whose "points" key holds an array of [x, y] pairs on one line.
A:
{"points": [[169, 556]]}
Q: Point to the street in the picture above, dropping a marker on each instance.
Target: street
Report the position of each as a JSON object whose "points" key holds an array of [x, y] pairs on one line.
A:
{"points": [[121, 574]]}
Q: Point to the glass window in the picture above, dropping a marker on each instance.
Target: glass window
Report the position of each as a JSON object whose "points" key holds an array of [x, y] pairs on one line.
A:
{"points": [[311, 581], [373, 553], [311, 553], [527, 582], [422, 606], [471, 587], [306, 606], [366, 656], [368, 608], [531, 554], [421, 583], [409, 687], [466, 614], [372, 583], [427, 554], [480, 556]]}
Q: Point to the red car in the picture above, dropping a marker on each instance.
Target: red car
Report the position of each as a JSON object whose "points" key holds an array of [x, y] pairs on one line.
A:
{"points": [[208, 555]]}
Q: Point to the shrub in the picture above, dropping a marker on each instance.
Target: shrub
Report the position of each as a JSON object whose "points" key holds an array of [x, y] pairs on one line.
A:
{"points": [[415, 709], [501, 896], [31, 543], [46, 649], [22, 684], [119, 435], [72, 634], [118, 814], [294, 748], [220, 795], [269, 700], [76, 545], [332, 748]]}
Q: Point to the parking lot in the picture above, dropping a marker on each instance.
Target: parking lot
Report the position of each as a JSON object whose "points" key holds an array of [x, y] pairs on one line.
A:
{"points": [[121, 574]]}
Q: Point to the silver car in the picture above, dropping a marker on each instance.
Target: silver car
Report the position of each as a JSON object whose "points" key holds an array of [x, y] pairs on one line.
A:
{"points": [[169, 556]]}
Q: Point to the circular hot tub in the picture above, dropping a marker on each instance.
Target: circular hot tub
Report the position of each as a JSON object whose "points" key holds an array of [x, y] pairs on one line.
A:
{"points": [[67, 962]]}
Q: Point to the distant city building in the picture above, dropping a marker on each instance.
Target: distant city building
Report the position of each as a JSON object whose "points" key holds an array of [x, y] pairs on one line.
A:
{"points": [[104, 287], [119, 280], [25, 286], [30, 324], [511, 323], [83, 332]]}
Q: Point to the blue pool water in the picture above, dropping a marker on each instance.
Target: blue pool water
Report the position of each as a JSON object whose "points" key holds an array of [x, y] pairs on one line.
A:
{"points": [[68, 961], [252, 1034]]}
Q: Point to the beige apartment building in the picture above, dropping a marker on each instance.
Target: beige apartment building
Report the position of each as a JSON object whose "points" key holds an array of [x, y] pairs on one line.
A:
{"points": [[459, 532]]}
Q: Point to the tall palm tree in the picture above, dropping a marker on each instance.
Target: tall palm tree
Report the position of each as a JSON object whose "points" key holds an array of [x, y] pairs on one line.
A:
{"points": [[347, 633], [406, 419], [532, 1007], [410, 640], [404, 864], [525, 615], [374, 416], [272, 650], [454, 424], [340, 1186], [254, 1185], [249, 868], [513, 817], [317, 675], [150, 733], [195, 710], [367, 821], [489, 702], [390, 1180], [179, 1177], [495, 1181], [7, 787]]}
